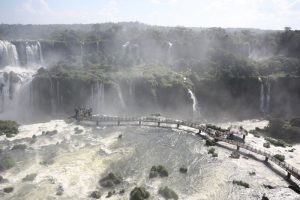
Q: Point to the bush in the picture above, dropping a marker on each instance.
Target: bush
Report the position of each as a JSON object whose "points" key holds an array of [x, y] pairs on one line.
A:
{"points": [[211, 151], [139, 193], [241, 183], [8, 189], [9, 128], [158, 171], [110, 180], [210, 142], [167, 193], [275, 142], [279, 157]]}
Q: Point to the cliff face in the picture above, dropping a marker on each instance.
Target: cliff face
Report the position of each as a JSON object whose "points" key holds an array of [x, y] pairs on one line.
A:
{"points": [[236, 98]]}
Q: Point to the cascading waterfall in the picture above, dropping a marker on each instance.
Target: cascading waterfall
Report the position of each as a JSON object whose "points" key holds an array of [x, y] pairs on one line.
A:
{"points": [[195, 104], [8, 54], [97, 97], [81, 51], [34, 54], [265, 96], [120, 95], [268, 96], [262, 96], [169, 53]]}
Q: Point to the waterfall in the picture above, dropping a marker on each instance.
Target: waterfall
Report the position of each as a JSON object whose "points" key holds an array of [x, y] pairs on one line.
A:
{"points": [[34, 54], [81, 51], [195, 103], [268, 96], [8, 54], [15, 92], [169, 53], [262, 96], [265, 96], [120, 95], [97, 46], [97, 97]]}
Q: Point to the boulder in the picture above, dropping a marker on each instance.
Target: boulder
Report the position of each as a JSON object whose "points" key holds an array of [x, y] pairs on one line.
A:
{"points": [[167, 193], [139, 193], [110, 180], [95, 195], [29, 177]]}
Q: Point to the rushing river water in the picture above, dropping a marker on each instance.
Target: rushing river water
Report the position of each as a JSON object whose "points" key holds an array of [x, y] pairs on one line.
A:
{"points": [[76, 160]]}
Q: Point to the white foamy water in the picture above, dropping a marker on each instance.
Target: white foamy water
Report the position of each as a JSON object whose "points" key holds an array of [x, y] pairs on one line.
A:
{"points": [[76, 161]]}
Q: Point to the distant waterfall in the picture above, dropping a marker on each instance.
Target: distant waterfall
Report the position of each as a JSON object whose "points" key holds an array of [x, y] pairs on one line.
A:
{"points": [[8, 54], [196, 112], [97, 97], [262, 96], [169, 53], [81, 51], [120, 95], [131, 50], [265, 95], [34, 54]]}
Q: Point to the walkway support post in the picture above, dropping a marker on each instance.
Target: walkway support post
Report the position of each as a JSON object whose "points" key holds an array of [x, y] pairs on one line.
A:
{"points": [[118, 122], [97, 123], [140, 122], [288, 175], [266, 159], [244, 137], [237, 147], [158, 123], [178, 126]]}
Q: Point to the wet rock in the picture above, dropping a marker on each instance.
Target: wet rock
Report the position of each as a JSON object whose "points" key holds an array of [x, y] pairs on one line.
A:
{"points": [[264, 197], [139, 193], [120, 136], [266, 144], [8, 189], [269, 186], [51, 133], [20, 147], [95, 195], [109, 194], [33, 137], [110, 180], [158, 171], [296, 188], [241, 183], [252, 173], [183, 170], [29, 177], [122, 191], [209, 142], [59, 190], [77, 130], [235, 155], [167, 193], [3, 180], [6, 162]]}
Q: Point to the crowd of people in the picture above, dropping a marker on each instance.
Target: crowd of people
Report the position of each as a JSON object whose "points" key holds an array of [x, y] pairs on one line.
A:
{"points": [[83, 112]]}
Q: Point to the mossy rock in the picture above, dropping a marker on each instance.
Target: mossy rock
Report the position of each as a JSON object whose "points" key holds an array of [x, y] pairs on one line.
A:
{"points": [[215, 155], [95, 195], [235, 155], [8, 189], [6, 162], [110, 180], [21, 147], [139, 193], [211, 151], [167, 193], [59, 190], [29, 177], [158, 171]]}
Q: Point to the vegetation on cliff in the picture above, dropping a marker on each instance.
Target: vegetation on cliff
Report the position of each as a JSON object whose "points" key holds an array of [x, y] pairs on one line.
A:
{"points": [[9, 128]]}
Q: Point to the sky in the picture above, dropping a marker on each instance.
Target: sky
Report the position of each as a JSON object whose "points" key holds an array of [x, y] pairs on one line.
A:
{"points": [[263, 14]]}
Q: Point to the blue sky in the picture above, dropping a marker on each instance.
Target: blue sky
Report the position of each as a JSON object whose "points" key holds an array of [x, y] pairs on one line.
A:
{"points": [[264, 14]]}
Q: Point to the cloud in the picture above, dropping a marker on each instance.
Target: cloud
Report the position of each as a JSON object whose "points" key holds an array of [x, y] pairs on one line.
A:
{"points": [[37, 7]]}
